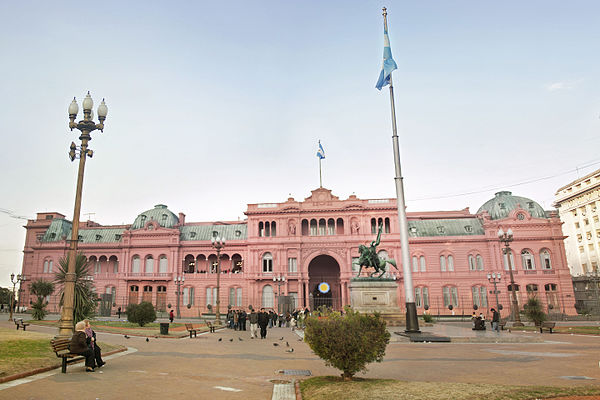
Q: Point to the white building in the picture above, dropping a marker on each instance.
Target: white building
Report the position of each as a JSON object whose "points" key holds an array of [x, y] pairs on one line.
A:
{"points": [[578, 204]]}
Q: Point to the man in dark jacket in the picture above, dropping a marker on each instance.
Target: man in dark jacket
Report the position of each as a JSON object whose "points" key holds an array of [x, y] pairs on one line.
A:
{"points": [[495, 320], [263, 321], [242, 320], [253, 317]]}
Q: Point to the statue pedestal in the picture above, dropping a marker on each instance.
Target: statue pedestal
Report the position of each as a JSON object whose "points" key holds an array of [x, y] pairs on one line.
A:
{"points": [[369, 295]]}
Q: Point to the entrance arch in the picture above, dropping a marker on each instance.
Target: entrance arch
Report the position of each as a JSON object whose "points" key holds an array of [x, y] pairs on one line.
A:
{"points": [[324, 269]]}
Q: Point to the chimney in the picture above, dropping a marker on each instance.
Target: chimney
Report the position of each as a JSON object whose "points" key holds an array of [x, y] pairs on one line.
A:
{"points": [[181, 219]]}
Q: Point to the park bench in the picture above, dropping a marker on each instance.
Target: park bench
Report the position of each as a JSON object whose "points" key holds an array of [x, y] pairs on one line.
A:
{"points": [[548, 326], [20, 324], [190, 328], [211, 327], [61, 347], [502, 324]]}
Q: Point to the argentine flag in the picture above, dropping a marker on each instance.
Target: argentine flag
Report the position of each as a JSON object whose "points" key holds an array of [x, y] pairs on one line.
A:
{"points": [[388, 63], [320, 151]]}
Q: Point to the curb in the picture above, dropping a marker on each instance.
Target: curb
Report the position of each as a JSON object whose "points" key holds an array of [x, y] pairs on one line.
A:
{"points": [[49, 368], [298, 392]]}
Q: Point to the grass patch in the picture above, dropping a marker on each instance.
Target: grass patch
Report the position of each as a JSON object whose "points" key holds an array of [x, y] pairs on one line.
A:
{"points": [[24, 351], [579, 330], [329, 387]]}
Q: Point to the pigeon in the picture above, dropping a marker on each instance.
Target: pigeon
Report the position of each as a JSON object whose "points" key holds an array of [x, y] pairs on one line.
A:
{"points": [[231, 340], [281, 338], [275, 344], [147, 340], [220, 339], [240, 339], [287, 344], [289, 350], [126, 337]]}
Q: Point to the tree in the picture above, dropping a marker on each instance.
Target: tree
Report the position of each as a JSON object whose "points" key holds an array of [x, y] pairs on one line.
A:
{"points": [[347, 342], [84, 301], [41, 289], [141, 314], [533, 311], [5, 295]]}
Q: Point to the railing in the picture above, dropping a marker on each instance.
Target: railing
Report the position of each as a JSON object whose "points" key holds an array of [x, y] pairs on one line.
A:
{"points": [[548, 271], [530, 272]]}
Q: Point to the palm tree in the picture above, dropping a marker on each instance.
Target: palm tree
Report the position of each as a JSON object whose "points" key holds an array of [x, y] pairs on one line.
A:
{"points": [[84, 301], [41, 289]]}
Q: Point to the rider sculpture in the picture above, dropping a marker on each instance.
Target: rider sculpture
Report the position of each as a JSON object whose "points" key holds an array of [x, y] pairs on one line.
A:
{"points": [[369, 257]]}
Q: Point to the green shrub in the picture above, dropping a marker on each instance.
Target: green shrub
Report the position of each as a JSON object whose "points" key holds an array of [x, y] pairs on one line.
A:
{"points": [[141, 314], [347, 342], [533, 311], [427, 318]]}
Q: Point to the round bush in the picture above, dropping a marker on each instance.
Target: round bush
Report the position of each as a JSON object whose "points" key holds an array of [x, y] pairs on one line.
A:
{"points": [[141, 314]]}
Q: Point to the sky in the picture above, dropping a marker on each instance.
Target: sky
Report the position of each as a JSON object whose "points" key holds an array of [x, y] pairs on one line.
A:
{"points": [[213, 106]]}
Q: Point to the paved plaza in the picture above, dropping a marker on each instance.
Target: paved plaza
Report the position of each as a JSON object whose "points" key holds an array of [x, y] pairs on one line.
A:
{"points": [[205, 367]]}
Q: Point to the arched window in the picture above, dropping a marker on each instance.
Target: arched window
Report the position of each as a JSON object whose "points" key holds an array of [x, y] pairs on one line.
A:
{"points": [[322, 227], [267, 228], [373, 225], [507, 261], [527, 260], [331, 226], [387, 225], [545, 260], [423, 264], [115, 264], [479, 296], [149, 265], [379, 223], [135, 265], [472, 265], [450, 294], [261, 229], [415, 264], [551, 296], [267, 296], [443, 263], [313, 227], [479, 262], [304, 227], [421, 296], [273, 229], [162, 264], [188, 296], [340, 226], [212, 263], [267, 262], [450, 263], [532, 290]]}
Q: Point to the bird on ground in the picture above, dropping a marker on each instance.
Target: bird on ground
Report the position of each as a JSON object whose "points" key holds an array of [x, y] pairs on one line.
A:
{"points": [[126, 337], [220, 339], [240, 339], [275, 344], [231, 340], [289, 350], [281, 338], [299, 340], [287, 344], [147, 340]]}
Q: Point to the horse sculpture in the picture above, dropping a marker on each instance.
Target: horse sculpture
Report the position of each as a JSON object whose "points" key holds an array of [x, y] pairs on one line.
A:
{"points": [[369, 258]]}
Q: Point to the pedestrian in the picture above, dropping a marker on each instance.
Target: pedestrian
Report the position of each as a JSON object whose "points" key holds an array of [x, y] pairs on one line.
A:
{"points": [[253, 317], [230, 319], [92, 343], [495, 320], [242, 319], [263, 321], [171, 316], [79, 346], [236, 320], [119, 312]]}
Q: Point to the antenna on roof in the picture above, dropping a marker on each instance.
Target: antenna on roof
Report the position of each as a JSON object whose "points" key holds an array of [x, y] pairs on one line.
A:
{"points": [[89, 215]]}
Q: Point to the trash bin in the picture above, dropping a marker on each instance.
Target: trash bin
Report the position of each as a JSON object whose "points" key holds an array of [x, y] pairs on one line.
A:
{"points": [[164, 328]]}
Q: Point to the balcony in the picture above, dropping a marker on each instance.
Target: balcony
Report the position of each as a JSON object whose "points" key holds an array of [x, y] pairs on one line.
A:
{"points": [[548, 271], [530, 272], [156, 276]]}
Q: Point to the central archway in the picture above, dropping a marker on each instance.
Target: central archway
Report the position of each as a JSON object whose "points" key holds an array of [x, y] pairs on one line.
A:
{"points": [[324, 269]]}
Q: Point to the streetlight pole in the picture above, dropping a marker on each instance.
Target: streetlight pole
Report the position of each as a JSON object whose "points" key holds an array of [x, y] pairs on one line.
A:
{"points": [[179, 281], [495, 279], [86, 126], [23, 279], [218, 243], [506, 238], [12, 298], [278, 280]]}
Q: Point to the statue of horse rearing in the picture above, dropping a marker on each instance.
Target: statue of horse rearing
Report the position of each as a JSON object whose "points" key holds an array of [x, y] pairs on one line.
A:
{"points": [[369, 258]]}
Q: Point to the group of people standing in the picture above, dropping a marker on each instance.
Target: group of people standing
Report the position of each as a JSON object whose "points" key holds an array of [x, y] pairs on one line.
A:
{"points": [[83, 342], [264, 320], [236, 319], [479, 321]]}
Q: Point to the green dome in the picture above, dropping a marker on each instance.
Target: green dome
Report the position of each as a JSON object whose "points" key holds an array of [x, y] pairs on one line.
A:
{"points": [[504, 202], [160, 213]]}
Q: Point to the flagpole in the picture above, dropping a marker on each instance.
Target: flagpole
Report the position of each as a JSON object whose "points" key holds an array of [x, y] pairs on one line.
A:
{"points": [[412, 322], [320, 177]]}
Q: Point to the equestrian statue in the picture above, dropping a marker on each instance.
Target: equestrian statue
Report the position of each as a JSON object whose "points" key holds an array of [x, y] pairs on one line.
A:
{"points": [[369, 258]]}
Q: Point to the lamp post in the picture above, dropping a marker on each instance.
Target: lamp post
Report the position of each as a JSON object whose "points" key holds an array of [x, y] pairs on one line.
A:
{"points": [[179, 281], [495, 279], [278, 280], [85, 126], [23, 279], [218, 243], [12, 298], [506, 238]]}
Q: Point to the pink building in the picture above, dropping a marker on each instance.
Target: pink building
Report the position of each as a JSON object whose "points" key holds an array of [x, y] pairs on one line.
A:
{"points": [[309, 242]]}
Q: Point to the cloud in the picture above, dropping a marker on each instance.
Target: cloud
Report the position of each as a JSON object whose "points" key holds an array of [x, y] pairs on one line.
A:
{"points": [[564, 85]]}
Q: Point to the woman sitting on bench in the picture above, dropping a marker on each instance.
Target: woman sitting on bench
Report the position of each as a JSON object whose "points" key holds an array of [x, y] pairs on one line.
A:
{"points": [[92, 343], [79, 345]]}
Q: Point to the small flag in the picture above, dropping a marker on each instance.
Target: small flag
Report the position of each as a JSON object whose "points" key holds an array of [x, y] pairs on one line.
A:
{"points": [[388, 63], [320, 151]]}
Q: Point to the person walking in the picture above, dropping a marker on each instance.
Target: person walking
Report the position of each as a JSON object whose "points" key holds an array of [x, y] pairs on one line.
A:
{"points": [[236, 320], [253, 317], [119, 312], [495, 320], [171, 316], [242, 319], [263, 321]]}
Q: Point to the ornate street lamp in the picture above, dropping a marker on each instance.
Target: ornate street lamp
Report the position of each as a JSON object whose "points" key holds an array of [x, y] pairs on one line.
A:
{"points": [[179, 281], [279, 280], [495, 279], [12, 298], [506, 238], [218, 243], [23, 279], [85, 126]]}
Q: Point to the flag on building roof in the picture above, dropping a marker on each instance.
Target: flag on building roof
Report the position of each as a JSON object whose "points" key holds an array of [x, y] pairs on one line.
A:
{"points": [[320, 151], [388, 63]]}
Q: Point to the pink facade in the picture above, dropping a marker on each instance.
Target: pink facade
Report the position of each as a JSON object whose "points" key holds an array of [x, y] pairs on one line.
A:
{"points": [[309, 242]]}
